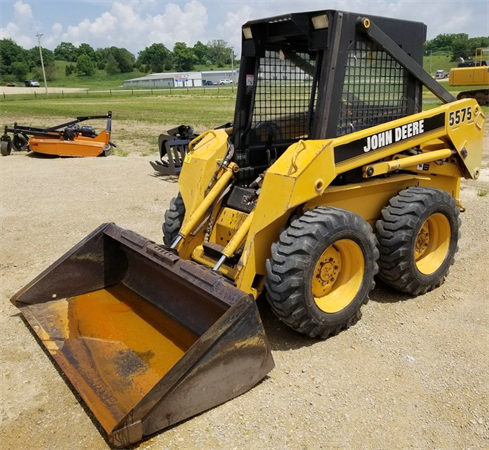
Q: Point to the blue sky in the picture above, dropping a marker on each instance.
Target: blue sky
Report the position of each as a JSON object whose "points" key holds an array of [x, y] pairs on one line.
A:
{"points": [[136, 24]]}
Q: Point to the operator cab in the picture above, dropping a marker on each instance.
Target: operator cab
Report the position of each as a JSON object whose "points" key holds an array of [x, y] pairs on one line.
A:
{"points": [[317, 76]]}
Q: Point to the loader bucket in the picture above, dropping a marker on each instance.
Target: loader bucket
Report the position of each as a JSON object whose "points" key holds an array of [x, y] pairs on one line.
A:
{"points": [[145, 338]]}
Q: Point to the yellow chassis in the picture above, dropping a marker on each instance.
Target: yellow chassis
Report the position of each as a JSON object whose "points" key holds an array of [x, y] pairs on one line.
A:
{"points": [[433, 148]]}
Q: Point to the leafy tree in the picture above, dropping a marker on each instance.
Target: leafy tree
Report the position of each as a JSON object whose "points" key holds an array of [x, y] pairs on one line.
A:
{"points": [[478, 42], [111, 67], [87, 50], [219, 52], [85, 66], [460, 46], [10, 52], [19, 70], [125, 59], [102, 54], [66, 51], [184, 57], [35, 57], [69, 69], [157, 57], [201, 52], [457, 45], [50, 72], [47, 59], [441, 43]]}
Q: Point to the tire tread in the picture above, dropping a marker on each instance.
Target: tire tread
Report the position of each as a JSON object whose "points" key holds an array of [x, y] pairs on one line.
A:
{"points": [[291, 256]]}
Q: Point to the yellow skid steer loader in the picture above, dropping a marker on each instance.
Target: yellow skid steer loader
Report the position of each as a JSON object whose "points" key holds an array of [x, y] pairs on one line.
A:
{"points": [[330, 175]]}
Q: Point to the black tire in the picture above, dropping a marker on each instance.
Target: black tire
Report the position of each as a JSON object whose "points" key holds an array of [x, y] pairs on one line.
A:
{"points": [[20, 143], [173, 219], [321, 271], [418, 237], [6, 147]]}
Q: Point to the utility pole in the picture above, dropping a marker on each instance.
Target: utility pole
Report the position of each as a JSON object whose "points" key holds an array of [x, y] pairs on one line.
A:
{"points": [[42, 62], [232, 68]]}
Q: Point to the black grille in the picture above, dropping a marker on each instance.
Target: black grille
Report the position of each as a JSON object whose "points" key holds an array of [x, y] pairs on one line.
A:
{"points": [[282, 97], [375, 89]]}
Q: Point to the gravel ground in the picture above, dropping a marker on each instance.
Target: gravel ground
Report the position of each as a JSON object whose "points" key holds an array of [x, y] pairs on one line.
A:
{"points": [[413, 373]]}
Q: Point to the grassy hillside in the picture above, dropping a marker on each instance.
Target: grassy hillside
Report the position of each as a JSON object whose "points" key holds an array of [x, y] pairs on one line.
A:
{"points": [[432, 63], [102, 81]]}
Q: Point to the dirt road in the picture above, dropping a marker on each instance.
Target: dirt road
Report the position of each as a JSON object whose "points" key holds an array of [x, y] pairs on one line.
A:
{"points": [[9, 90], [413, 373]]}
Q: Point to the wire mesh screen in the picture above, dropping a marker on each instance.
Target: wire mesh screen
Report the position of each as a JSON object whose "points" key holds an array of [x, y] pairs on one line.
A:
{"points": [[375, 89], [282, 96]]}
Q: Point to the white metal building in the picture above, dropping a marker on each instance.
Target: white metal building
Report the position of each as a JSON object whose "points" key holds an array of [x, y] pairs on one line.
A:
{"points": [[159, 80], [181, 79]]}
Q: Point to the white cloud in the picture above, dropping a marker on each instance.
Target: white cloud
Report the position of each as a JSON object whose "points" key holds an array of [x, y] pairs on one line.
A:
{"points": [[230, 30], [126, 25], [16, 30], [57, 28], [178, 25], [22, 12]]}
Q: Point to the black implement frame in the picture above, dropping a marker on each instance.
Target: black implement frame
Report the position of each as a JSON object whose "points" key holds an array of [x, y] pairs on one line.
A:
{"points": [[173, 147], [53, 132]]}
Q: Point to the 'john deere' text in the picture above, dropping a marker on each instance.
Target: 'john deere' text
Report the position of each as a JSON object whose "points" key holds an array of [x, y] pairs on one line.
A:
{"points": [[394, 135]]}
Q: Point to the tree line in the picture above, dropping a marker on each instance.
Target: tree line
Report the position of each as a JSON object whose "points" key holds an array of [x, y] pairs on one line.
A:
{"points": [[455, 45], [16, 62]]}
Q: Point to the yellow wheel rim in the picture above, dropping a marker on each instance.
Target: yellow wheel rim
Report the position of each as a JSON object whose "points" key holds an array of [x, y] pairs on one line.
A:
{"points": [[338, 275], [432, 243]]}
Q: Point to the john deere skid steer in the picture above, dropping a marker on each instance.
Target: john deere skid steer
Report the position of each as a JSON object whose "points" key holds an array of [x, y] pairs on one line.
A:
{"points": [[330, 175]]}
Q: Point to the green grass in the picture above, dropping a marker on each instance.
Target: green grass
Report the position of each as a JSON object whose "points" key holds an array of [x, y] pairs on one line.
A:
{"points": [[99, 81], [430, 100], [165, 107], [202, 109], [438, 62], [120, 152]]}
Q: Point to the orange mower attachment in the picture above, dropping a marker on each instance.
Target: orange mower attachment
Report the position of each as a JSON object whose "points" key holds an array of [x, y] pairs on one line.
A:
{"points": [[67, 139]]}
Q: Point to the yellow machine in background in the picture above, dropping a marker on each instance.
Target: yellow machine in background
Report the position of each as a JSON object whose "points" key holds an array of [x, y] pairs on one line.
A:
{"points": [[475, 75], [330, 175]]}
